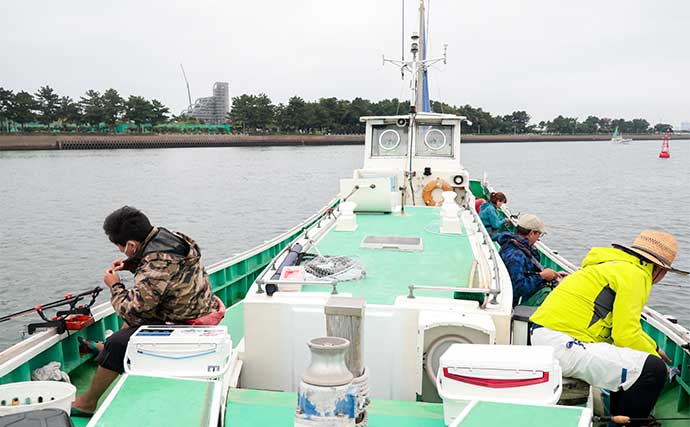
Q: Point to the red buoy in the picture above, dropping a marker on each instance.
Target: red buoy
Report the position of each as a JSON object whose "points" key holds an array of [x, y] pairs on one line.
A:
{"points": [[665, 153]]}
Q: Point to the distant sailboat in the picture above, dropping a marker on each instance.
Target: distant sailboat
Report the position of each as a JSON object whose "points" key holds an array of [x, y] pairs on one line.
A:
{"points": [[617, 138]]}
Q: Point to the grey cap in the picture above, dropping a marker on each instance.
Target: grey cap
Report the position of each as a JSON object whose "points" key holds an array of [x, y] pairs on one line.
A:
{"points": [[531, 222]]}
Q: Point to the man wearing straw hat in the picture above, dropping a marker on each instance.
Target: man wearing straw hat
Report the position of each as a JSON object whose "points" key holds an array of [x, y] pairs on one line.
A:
{"points": [[592, 320]]}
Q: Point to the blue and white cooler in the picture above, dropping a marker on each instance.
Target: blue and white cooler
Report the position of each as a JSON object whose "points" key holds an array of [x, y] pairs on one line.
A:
{"points": [[180, 351]]}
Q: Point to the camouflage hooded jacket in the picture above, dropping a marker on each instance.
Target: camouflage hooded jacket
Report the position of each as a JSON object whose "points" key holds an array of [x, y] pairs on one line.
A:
{"points": [[170, 283]]}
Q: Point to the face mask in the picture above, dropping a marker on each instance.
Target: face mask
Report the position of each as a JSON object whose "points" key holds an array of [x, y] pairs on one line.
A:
{"points": [[125, 249]]}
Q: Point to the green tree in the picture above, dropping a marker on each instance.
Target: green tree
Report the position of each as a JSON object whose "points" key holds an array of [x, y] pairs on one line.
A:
{"points": [[663, 127], [252, 113], [563, 125], [517, 121], [69, 111], [640, 126], [138, 110], [160, 112], [23, 108], [92, 106], [48, 103], [293, 117], [590, 125], [113, 107], [6, 99]]}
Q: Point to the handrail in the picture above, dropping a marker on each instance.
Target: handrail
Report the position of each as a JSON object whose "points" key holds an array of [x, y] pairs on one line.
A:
{"points": [[493, 256], [331, 283], [481, 291]]}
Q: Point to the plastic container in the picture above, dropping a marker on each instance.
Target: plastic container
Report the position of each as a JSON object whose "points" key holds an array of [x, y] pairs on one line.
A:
{"points": [[33, 395], [292, 273], [179, 351], [504, 373]]}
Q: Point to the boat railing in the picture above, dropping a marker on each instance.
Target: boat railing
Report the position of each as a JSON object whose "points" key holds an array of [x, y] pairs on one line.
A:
{"points": [[492, 255], [333, 284], [480, 291]]}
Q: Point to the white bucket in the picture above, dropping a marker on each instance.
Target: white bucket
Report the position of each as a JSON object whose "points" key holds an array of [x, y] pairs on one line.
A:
{"points": [[33, 395]]}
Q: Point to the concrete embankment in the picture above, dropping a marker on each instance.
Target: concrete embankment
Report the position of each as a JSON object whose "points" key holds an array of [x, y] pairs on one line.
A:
{"points": [[111, 142]]}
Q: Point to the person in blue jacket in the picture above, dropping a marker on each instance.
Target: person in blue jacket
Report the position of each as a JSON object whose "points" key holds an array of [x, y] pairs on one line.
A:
{"points": [[488, 213], [521, 259]]}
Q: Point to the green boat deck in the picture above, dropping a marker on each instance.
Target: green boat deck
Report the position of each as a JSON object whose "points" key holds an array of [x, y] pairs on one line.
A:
{"points": [[483, 414], [277, 409], [446, 259], [163, 402]]}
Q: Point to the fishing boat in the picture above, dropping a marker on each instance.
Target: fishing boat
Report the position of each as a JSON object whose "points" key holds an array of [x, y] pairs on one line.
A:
{"points": [[402, 254], [617, 138]]}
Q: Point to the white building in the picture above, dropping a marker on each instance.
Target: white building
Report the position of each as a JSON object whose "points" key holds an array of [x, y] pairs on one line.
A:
{"points": [[212, 110], [685, 126]]}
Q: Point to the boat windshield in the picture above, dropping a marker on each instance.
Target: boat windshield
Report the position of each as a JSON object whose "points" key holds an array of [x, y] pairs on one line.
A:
{"points": [[434, 141], [389, 141]]}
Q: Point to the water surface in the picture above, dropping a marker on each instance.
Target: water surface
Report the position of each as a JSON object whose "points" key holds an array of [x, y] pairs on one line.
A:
{"points": [[52, 203]]}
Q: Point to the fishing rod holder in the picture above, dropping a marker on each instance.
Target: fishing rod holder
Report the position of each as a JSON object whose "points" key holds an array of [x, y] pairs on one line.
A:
{"points": [[487, 292], [61, 320], [329, 283]]}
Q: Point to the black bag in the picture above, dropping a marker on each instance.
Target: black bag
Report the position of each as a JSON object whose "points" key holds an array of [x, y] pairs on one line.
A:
{"points": [[37, 418]]}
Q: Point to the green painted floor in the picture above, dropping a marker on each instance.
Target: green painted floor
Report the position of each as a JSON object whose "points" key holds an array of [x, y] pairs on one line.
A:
{"points": [[446, 259], [164, 402], [505, 414], [277, 409]]}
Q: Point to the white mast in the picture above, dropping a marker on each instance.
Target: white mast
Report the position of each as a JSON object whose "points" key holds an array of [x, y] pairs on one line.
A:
{"points": [[417, 66], [419, 101]]}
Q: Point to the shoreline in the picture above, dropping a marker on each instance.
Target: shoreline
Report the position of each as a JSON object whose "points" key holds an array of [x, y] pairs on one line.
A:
{"points": [[111, 142]]}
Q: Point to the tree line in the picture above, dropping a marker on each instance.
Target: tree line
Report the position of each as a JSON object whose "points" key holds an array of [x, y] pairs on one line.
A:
{"points": [[47, 107], [259, 114]]}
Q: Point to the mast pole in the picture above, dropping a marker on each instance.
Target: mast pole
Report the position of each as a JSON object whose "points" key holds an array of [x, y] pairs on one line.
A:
{"points": [[421, 57]]}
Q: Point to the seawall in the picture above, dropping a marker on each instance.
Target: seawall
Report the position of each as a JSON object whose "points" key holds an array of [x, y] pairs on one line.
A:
{"points": [[111, 142]]}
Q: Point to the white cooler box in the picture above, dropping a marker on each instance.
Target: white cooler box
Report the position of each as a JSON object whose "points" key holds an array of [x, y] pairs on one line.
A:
{"points": [[504, 373], [179, 351]]}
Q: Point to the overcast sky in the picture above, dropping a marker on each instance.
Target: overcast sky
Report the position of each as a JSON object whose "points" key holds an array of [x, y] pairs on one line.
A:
{"points": [[608, 58]]}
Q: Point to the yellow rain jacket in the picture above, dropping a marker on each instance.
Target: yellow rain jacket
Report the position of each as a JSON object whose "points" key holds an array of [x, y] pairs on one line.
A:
{"points": [[603, 301]]}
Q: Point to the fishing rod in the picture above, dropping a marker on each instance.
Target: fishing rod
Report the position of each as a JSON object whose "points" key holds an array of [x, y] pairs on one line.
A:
{"points": [[623, 419], [60, 319]]}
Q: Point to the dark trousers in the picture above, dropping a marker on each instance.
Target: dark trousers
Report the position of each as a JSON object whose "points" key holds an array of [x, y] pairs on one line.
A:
{"points": [[639, 400], [113, 355]]}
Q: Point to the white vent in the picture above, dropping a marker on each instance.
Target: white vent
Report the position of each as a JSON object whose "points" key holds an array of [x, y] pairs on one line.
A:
{"points": [[399, 243]]}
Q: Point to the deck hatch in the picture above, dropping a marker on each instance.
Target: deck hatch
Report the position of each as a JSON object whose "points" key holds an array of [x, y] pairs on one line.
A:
{"points": [[401, 243]]}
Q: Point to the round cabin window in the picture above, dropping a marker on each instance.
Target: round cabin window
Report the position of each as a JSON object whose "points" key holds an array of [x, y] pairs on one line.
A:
{"points": [[389, 140], [434, 139]]}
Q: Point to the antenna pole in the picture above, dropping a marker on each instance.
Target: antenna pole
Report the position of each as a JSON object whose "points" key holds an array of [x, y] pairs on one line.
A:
{"points": [[189, 95]]}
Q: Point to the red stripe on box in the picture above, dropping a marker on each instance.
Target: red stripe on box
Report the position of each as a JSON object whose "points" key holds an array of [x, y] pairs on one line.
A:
{"points": [[496, 383]]}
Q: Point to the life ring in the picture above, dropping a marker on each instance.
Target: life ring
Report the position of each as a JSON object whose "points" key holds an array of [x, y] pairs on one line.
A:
{"points": [[431, 186]]}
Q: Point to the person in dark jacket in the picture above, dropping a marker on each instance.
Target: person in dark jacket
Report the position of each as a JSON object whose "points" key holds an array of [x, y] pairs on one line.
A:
{"points": [[521, 259], [170, 287]]}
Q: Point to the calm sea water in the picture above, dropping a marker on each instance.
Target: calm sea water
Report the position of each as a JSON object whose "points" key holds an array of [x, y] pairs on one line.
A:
{"points": [[52, 203]]}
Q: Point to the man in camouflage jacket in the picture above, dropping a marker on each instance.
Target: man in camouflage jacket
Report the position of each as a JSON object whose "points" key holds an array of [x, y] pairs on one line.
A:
{"points": [[170, 286], [170, 283]]}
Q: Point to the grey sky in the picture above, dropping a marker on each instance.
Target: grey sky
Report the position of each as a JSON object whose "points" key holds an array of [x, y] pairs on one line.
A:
{"points": [[608, 58]]}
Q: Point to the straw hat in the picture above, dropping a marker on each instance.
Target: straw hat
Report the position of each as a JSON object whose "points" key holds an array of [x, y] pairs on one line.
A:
{"points": [[657, 247]]}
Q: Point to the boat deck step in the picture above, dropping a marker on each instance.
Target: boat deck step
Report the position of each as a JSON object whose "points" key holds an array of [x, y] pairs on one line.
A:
{"points": [[482, 413], [277, 409], [165, 402]]}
